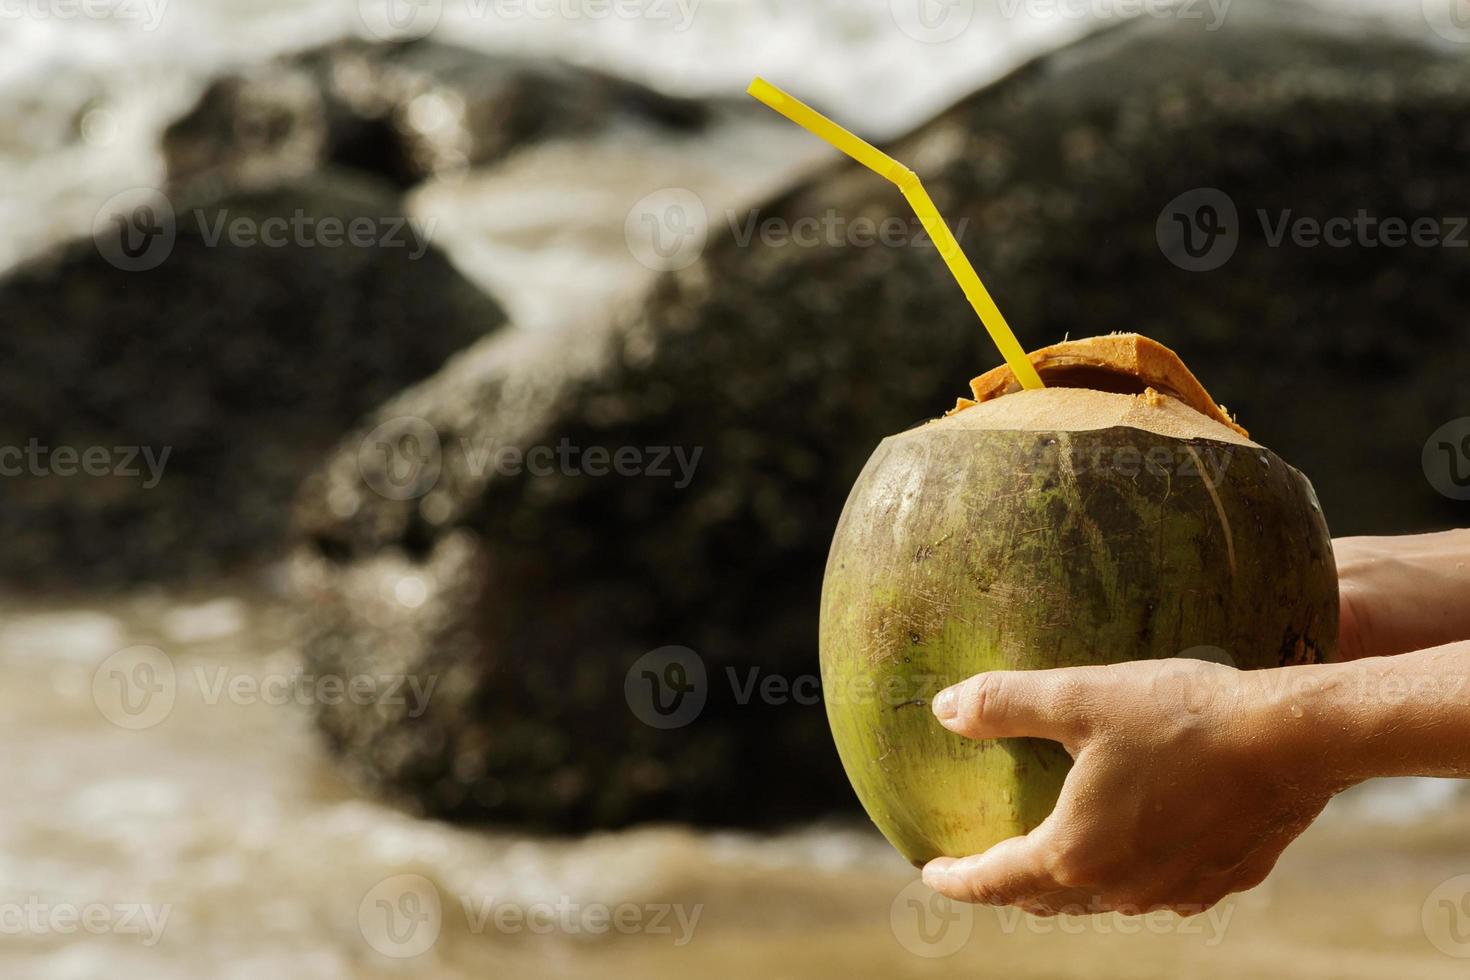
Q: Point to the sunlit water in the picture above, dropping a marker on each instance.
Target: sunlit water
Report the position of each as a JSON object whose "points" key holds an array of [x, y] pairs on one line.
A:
{"points": [[87, 95]]}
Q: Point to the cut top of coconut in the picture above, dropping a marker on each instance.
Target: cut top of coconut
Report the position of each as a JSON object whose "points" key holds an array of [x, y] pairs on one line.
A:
{"points": [[1083, 409], [1097, 383]]}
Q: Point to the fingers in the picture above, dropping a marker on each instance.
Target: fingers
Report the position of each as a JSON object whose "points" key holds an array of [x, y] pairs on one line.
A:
{"points": [[1010, 873], [1014, 873], [1067, 867], [1016, 703]]}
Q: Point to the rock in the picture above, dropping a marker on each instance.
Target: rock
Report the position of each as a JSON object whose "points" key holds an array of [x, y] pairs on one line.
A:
{"points": [[530, 598], [552, 245], [401, 110], [206, 386]]}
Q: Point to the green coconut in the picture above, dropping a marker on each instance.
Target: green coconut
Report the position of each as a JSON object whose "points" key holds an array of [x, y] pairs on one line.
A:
{"points": [[1118, 514]]}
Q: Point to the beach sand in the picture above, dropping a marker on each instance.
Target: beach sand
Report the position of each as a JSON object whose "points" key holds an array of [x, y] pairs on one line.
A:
{"points": [[221, 821]]}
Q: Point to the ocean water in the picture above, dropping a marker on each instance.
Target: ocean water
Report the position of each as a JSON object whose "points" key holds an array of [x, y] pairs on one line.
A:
{"points": [[87, 96], [89, 84], [205, 833]]}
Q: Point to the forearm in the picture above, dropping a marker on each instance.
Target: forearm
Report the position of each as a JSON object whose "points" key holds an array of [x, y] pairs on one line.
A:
{"points": [[1403, 593], [1406, 715]]}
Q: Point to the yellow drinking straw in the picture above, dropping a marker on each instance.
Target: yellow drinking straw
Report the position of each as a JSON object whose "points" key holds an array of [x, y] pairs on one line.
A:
{"points": [[908, 183]]}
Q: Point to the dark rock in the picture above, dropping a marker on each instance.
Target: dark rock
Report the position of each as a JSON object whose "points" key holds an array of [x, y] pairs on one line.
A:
{"points": [[528, 597], [401, 110], [243, 362]]}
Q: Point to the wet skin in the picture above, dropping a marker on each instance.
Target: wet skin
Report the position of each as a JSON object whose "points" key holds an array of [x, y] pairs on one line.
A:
{"points": [[1191, 778]]}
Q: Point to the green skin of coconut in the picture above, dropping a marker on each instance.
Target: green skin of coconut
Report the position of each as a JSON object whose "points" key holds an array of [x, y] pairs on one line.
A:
{"points": [[963, 550]]}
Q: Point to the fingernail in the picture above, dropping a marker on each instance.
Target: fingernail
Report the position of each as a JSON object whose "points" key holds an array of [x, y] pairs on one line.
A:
{"points": [[946, 704]]}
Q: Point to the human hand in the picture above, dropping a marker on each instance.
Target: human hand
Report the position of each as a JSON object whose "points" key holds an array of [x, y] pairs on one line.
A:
{"points": [[1189, 780]]}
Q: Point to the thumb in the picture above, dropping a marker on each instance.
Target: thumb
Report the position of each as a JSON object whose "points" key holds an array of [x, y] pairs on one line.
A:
{"points": [[1017, 703]]}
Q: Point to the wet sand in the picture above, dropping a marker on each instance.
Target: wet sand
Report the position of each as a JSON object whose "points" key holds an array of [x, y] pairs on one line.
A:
{"points": [[220, 821]]}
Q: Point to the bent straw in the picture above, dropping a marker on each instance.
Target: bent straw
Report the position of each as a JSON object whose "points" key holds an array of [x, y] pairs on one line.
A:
{"points": [[913, 191]]}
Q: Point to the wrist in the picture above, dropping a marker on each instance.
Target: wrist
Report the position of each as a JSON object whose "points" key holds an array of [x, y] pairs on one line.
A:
{"points": [[1312, 718], [1402, 593], [1341, 724]]}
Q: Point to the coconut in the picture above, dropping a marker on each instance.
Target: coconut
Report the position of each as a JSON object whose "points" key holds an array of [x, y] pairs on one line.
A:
{"points": [[1117, 514]]}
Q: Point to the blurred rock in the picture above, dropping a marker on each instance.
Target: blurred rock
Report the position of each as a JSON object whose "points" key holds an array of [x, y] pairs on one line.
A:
{"points": [[206, 386], [403, 111], [529, 596]]}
